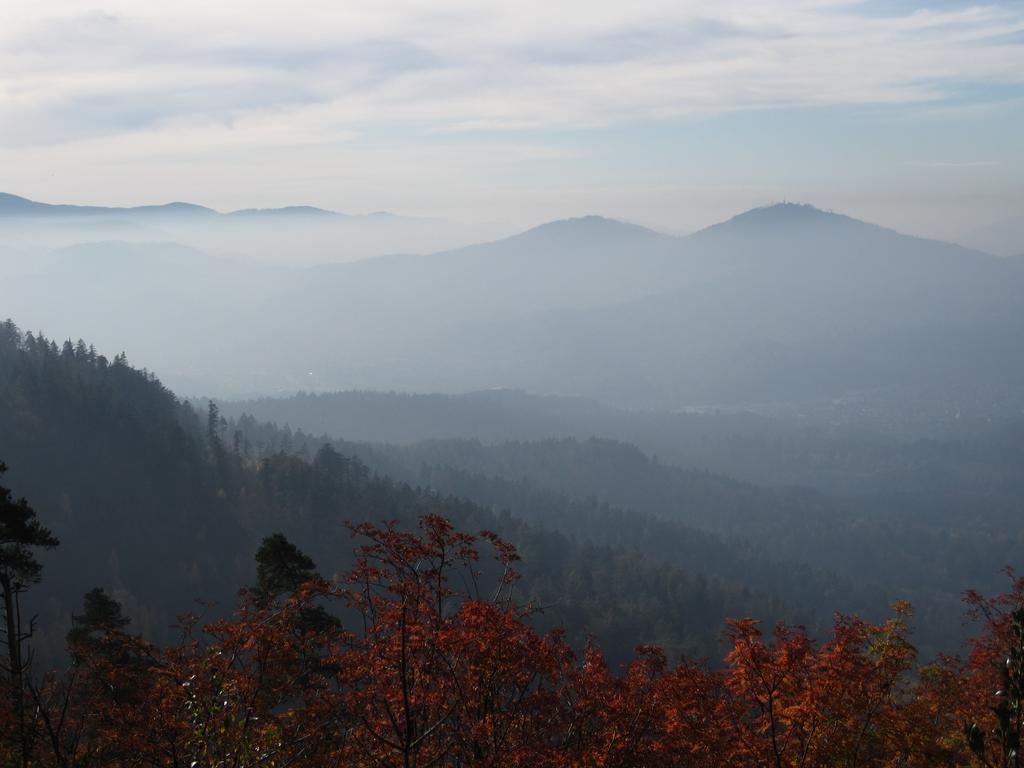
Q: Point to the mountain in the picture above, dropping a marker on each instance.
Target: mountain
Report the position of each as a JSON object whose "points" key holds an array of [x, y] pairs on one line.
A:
{"points": [[574, 263], [291, 210], [786, 302], [152, 508], [163, 508], [769, 451], [15, 206], [784, 309], [906, 514], [594, 262], [296, 235], [12, 205]]}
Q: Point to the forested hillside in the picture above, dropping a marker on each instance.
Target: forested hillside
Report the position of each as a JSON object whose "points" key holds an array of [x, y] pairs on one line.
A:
{"points": [[812, 449], [467, 384], [420, 654], [162, 506], [941, 518]]}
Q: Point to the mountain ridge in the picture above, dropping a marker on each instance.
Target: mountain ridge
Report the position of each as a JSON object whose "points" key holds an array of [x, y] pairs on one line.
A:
{"points": [[740, 314], [13, 206], [773, 215]]}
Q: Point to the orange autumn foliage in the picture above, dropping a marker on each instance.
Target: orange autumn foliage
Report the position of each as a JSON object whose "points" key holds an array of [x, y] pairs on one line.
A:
{"points": [[421, 657]]}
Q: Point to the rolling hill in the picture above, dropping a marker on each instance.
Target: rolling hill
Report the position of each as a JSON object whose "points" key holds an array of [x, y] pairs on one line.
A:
{"points": [[295, 235], [782, 308], [162, 509]]}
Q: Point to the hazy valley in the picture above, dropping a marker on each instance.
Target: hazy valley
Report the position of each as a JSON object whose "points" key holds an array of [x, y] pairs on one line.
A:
{"points": [[459, 384], [839, 318]]}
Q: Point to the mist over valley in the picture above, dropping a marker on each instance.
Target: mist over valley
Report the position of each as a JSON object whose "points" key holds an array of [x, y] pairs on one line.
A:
{"points": [[469, 385]]}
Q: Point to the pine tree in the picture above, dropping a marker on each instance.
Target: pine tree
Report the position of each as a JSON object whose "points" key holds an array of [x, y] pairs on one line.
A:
{"points": [[101, 615], [281, 568], [20, 534]]}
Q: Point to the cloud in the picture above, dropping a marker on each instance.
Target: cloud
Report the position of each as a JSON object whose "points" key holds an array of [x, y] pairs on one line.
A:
{"points": [[69, 73], [464, 108]]}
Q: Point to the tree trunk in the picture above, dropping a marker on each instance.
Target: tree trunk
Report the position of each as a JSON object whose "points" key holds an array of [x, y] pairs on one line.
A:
{"points": [[17, 688]]}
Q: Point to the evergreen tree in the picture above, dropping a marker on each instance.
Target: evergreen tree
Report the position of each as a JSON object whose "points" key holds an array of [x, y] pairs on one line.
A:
{"points": [[101, 615], [20, 534], [281, 568], [213, 424]]}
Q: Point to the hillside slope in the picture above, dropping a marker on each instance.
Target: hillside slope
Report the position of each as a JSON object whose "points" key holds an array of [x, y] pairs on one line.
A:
{"points": [[160, 510], [786, 307]]}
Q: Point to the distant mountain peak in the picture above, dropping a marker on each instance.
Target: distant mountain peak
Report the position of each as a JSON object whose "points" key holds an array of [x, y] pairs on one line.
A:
{"points": [[783, 212], [289, 210], [175, 207], [590, 220], [589, 226], [780, 216], [14, 205]]}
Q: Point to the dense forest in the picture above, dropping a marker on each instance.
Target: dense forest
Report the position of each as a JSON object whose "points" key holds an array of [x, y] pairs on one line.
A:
{"points": [[920, 521], [164, 506], [420, 655], [223, 590], [463, 384], [820, 450]]}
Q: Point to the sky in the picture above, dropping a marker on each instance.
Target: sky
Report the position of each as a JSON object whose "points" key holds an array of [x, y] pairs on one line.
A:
{"points": [[673, 113]]}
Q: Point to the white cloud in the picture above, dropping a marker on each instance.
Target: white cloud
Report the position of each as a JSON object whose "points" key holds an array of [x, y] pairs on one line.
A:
{"points": [[328, 66], [425, 105]]}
